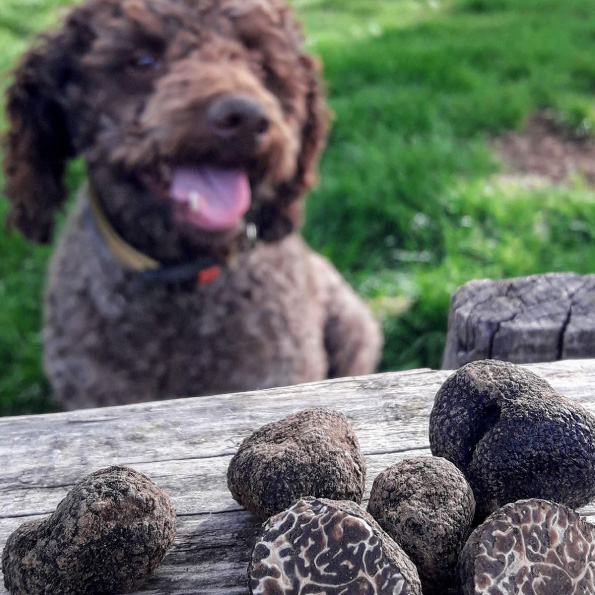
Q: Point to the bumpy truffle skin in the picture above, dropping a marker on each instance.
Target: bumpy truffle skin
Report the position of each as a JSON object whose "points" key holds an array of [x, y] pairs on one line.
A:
{"points": [[106, 536], [513, 437], [426, 505], [311, 453], [329, 548], [530, 546]]}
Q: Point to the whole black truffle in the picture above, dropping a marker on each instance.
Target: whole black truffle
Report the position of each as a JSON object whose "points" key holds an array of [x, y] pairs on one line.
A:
{"points": [[426, 505], [513, 437], [530, 546], [106, 536], [311, 453], [332, 548]]}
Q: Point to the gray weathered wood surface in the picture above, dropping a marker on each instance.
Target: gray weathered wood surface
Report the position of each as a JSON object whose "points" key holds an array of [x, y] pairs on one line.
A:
{"points": [[542, 318], [185, 447]]}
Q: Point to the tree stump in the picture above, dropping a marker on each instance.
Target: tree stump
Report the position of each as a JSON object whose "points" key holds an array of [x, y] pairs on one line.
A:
{"points": [[541, 318]]}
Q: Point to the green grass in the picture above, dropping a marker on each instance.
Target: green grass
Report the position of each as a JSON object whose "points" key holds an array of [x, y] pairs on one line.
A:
{"points": [[409, 206]]}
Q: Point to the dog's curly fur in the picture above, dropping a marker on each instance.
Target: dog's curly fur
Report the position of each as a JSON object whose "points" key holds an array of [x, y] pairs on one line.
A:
{"points": [[128, 85]]}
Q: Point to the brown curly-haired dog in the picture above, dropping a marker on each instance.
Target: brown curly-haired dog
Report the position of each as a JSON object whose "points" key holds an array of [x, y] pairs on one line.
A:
{"points": [[200, 123]]}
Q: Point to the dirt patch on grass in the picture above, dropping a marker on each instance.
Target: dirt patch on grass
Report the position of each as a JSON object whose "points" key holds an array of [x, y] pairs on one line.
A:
{"points": [[548, 150]]}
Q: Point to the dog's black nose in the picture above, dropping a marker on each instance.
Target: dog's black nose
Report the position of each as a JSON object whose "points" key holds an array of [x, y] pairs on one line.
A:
{"points": [[234, 117]]}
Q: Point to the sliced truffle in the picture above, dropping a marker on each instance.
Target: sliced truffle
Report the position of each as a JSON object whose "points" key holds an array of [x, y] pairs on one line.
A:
{"points": [[332, 548], [426, 505], [106, 536], [530, 546], [311, 453], [513, 437]]}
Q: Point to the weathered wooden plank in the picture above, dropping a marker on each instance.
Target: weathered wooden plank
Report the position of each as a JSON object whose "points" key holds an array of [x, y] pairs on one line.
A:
{"points": [[211, 426], [541, 318], [194, 488], [210, 498], [193, 491], [186, 445]]}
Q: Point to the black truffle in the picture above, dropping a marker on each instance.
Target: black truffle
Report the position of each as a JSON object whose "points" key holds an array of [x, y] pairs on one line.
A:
{"points": [[106, 536], [513, 437], [311, 453], [332, 548], [426, 505], [530, 546]]}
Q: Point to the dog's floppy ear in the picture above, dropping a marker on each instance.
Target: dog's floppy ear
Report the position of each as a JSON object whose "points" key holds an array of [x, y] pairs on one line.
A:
{"points": [[281, 217], [37, 144], [314, 129], [278, 218]]}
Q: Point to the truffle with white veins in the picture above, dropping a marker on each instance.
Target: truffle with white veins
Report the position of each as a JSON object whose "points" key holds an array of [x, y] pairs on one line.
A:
{"points": [[328, 547], [106, 536], [513, 437], [311, 453], [426, 505], [530, 547]]}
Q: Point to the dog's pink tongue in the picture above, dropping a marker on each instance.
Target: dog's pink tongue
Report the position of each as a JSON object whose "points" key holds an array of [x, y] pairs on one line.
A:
{"points": [[216, 198]]}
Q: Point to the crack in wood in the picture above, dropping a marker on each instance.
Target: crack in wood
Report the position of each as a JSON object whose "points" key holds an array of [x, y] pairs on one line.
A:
{"points": [[523, 320]]}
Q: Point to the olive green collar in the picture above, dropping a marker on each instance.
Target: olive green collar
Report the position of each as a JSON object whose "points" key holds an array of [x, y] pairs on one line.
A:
{"points": [[204, 269]]}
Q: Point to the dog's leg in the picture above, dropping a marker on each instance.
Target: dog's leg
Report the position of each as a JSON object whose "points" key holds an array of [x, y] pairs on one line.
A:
{"points": [[352, 337]]}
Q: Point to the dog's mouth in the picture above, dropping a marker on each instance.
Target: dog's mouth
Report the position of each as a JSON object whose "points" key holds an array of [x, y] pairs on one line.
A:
{"points": [[211, 198]]}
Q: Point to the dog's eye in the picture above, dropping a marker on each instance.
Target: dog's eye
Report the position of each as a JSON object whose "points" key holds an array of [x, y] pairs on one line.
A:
{"points": [[145, 62]]}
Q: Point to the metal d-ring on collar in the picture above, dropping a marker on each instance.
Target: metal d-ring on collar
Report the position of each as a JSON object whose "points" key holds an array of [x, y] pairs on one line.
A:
{"points": [[204, 269]]}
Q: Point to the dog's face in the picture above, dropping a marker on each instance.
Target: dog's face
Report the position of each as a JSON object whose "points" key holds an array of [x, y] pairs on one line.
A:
{"points": [[193, 116]]}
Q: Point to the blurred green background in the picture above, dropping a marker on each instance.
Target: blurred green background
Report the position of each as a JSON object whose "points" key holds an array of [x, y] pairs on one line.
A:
{"points": [[411, 203]]}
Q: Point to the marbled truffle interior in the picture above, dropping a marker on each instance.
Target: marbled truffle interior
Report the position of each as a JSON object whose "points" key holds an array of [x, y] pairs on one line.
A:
{"points": [[531, 546], [329, 548]]}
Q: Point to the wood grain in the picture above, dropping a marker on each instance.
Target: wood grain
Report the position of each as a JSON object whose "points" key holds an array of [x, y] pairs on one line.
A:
{"points": [[542, 318], [185, 446]]}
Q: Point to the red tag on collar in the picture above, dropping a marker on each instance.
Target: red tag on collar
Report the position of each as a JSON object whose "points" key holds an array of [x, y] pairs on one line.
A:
{"points": [[208, 275]]}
